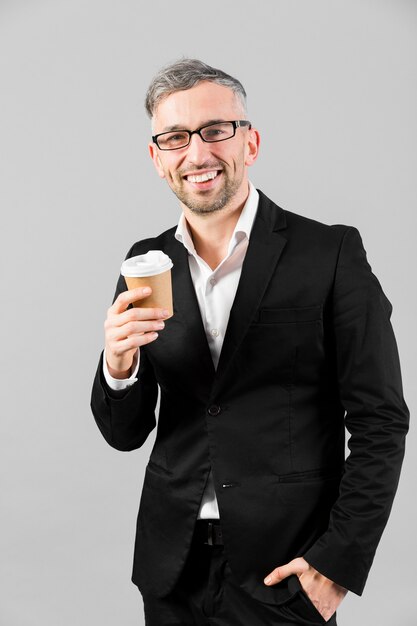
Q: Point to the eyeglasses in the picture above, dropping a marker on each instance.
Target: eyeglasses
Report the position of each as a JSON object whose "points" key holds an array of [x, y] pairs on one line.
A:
{"points": [[176, 139]]}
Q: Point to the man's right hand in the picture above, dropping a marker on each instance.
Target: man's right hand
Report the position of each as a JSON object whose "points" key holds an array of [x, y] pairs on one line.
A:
{"points": [[127, 330]]}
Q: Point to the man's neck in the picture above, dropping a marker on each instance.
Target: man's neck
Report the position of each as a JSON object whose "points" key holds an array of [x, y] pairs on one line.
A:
{"points": [[211, 233]]}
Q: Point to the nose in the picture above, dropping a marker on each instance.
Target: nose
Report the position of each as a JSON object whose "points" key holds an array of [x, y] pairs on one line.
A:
{"points": [[197, 150]]}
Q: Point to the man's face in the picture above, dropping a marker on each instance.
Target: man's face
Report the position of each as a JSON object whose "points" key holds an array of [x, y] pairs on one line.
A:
{"points": [[225, 160]]}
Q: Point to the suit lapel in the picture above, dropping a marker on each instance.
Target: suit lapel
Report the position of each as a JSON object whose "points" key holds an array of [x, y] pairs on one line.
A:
{"points": [[265, 247], [266, 244], [186, 306]]}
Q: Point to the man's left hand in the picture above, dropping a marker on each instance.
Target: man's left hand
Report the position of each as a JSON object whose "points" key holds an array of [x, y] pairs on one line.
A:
{"points": [[322, 592]]}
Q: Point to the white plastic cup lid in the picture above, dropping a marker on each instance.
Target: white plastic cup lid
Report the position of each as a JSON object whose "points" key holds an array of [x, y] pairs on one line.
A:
{"points": [[149, 264]]}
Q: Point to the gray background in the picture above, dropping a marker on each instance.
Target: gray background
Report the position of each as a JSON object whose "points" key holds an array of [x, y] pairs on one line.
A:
{"points": [[332, 88]]}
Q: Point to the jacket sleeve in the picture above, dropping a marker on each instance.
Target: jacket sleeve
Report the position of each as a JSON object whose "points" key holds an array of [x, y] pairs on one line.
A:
{"points": [[376, 417], [125, 418]]}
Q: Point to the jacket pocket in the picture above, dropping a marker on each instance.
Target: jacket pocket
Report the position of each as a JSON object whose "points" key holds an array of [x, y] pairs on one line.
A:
{"points": [[290, 316], [310, 475]]}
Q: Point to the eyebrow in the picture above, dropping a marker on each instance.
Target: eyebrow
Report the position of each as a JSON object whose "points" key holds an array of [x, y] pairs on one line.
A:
{"points": [[167, 129]]}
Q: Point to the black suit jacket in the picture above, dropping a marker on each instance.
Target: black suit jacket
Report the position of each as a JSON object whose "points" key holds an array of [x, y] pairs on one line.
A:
{"points": [[309, 349]]}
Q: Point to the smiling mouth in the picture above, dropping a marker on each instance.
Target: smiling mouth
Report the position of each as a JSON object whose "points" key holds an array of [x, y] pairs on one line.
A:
{"points": [[202, 178]]}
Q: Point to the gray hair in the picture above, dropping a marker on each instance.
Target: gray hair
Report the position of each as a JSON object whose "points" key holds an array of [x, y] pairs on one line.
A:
{"points": [[185, 74]]}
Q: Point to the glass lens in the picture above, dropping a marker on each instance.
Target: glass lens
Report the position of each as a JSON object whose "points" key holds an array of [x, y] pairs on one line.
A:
{"points": [[171, 141], [218, 132]]}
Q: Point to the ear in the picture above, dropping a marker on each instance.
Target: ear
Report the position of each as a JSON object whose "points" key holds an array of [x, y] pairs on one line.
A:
{"points": [[252, 146], [153, 152]]}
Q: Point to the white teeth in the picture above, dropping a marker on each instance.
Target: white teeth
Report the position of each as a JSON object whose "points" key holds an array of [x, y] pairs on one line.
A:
{"points": [[202, 178]]}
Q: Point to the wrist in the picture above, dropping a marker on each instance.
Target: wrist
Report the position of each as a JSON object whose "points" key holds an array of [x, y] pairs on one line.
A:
{"points": [[118, 374]]}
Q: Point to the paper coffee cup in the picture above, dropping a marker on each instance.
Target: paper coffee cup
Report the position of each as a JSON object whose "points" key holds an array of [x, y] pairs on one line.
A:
{"points": [[152, 269]]}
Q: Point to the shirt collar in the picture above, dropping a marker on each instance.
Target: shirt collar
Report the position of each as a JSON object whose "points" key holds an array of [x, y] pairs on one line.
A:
{"points": [[242, 229]]}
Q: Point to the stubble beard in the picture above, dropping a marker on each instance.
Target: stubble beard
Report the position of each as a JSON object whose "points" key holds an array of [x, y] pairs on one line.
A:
{"points": [[205, 206]]}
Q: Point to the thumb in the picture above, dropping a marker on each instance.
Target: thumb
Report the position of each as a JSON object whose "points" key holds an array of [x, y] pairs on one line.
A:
{"points": [[296, 566]]}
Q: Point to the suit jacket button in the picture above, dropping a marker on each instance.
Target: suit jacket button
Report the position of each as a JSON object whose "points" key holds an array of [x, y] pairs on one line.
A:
{"points": [[214, 409]]}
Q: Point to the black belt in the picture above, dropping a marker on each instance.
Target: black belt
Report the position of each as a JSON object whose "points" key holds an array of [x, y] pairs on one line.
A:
{"points": [[208, 532]]}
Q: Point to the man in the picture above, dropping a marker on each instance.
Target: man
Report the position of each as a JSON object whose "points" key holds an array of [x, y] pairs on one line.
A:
{"points": [[280, 338]]}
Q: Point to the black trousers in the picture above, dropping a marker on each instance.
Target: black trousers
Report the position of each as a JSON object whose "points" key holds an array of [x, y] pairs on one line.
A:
{"points": [[207, 595]]}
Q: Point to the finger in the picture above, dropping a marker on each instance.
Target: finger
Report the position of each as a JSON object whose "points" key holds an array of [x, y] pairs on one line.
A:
{"points": [[119, 348], [296, 566], [129, 297], [117, 333], [135, 314]]}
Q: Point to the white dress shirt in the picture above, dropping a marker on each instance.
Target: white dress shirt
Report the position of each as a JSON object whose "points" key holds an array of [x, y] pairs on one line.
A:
{"points": [[215, 291]]}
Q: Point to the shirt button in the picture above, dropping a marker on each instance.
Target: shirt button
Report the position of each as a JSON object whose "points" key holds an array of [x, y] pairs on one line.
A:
{"points": [[214, 409], [214, 332], [212, 281]]}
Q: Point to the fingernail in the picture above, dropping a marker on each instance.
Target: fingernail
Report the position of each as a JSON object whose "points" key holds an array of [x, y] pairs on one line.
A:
{"points": [[267, 580], [165, 312], [146, 291]]}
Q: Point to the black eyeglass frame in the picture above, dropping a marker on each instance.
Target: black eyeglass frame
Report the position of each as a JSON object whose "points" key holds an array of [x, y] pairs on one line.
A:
{"points": [[236, 124]]}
